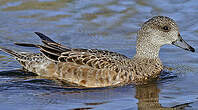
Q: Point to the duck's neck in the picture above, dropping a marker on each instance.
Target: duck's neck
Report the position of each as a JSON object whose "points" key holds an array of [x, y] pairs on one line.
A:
{"points": [[147, 50], [146, 47], [147, 62]]}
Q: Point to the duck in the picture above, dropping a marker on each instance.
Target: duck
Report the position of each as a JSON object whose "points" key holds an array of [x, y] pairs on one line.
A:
{"points": [[92, 68]]}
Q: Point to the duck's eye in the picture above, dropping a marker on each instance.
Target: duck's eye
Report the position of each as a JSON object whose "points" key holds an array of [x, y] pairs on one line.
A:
{"points": [[165, 28]]}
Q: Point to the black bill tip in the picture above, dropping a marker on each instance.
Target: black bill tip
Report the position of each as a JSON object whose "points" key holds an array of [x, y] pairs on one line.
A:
{"points": [[182, 44], [192, 49]]}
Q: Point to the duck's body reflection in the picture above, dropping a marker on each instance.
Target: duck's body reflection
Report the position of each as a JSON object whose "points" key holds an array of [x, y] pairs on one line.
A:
{"points": [[148, 99]]}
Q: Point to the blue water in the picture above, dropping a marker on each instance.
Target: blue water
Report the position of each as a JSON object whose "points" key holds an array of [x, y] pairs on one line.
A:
{"points": [[102, 24]]}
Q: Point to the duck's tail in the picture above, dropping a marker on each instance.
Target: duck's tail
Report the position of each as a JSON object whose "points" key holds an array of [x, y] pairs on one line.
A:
{"points": [[50, 49], [16, 55], [11, 52]]}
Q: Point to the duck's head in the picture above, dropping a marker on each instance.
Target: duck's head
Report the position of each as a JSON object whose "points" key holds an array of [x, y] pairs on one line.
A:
{"points": [[158, 31]]}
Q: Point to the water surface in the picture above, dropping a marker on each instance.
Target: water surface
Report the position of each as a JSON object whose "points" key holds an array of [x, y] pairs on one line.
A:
{"points": [[102, 24]]}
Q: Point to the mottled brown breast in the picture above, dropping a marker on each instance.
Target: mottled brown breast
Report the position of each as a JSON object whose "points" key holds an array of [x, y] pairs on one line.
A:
{"points": [[145, 69]]}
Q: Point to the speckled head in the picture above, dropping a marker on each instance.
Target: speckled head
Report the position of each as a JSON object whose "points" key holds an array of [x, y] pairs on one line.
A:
{"points": [[156, 32]]}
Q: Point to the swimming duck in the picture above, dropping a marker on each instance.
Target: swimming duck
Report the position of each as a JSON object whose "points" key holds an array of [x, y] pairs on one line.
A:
{"points": [[102, 68]]}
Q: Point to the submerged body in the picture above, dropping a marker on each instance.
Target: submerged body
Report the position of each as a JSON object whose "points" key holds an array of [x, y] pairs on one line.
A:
{"points": [[101, 68]]}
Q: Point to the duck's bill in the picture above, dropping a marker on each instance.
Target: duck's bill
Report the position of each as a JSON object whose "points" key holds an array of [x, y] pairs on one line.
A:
{"points": [[182, 44]]}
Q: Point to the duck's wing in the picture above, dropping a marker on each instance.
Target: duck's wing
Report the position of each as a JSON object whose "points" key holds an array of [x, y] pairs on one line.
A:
{"points": [[91, 57], [49, 42], [99, 59], [44, 37]]}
